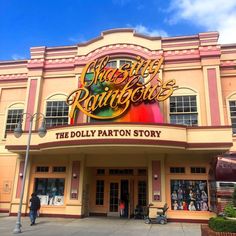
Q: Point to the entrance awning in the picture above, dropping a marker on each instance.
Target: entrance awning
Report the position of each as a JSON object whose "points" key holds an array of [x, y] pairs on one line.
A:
{"points": [[164, 136]]}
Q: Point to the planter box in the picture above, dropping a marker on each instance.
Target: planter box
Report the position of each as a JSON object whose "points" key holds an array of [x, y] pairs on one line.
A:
{"points": [[206, 231]]}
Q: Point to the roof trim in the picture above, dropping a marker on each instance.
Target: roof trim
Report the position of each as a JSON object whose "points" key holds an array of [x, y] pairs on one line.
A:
{"points": [[14, 62]]}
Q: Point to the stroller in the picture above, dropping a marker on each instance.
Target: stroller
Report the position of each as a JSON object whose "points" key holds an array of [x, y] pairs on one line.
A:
{"points": [[138, 212], [161, 215]]}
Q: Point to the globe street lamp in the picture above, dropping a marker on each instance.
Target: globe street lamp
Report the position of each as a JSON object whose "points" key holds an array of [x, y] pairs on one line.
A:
{"points": [[17, 133]]}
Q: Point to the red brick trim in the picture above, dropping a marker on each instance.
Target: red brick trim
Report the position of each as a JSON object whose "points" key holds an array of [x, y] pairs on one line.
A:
{"points": [[52, 215], [201, 221], [4, 210], [15, 214], [98, 141], [62, 216], [208, 145], [97, 214], [182, 145]]}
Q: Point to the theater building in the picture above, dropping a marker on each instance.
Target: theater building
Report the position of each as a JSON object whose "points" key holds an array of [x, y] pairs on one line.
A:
{"points": [[129, 117]]}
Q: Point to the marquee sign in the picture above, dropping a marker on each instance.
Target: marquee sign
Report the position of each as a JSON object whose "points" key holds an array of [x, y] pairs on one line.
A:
{"points": [[116, 133], [116, 89]]}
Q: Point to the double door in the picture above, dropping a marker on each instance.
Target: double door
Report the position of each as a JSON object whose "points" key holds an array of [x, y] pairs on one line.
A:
{"points": [[121, 190]]}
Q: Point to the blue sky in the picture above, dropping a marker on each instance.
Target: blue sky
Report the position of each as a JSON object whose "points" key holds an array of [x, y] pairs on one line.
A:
{"points": [[28, 23]]}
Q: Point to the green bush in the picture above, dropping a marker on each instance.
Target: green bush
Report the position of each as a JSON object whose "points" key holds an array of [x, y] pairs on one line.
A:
{"points": [[229, 210], [220, 224]]}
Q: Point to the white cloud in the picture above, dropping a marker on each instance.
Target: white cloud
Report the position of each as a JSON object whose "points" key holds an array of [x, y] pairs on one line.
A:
{"points": [[151, 32], [213, 15], [17, 57]]}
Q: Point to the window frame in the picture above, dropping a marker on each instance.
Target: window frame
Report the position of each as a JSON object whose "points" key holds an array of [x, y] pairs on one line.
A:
{"points": [[200, 168], [41, 168], [99, 201], [232, 99], [59, 97], [141, 193], [177, 168], [13, 106], [184, 91], [59, 169], [46, 177], [190, 178]]}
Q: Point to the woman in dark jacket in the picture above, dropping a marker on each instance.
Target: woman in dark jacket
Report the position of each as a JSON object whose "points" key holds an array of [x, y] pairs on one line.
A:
{"points": [[34, 207]]}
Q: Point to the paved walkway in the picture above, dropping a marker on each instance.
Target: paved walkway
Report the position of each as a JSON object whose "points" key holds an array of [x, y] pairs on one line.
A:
{"points": [[95, 226]]}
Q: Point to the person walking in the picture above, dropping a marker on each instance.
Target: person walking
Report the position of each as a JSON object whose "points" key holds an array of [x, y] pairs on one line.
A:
{"points": [[122, 208], [34, 207]]}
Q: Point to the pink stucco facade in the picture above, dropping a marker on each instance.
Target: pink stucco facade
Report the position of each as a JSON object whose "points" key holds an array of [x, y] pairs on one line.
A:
{"points": [[97, 165]]}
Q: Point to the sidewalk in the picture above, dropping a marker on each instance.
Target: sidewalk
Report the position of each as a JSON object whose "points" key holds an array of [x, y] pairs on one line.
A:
{"points": [[95, 226]]}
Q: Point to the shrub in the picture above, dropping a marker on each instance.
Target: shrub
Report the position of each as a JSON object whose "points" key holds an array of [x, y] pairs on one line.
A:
{"points": [[230, 211], [220, 224]]}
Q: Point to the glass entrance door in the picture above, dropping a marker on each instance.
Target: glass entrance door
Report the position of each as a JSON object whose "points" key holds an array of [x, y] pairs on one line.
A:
{"points": [[114, 197], [124, 196]]}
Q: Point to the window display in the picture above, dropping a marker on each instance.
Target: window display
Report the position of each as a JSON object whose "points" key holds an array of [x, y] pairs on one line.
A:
{"points": [[50, 191], [189, 195]]}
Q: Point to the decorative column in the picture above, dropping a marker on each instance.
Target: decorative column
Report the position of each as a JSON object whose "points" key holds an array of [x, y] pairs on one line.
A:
{"points": [[213, 96], [210, 59], [20, 178], [35, 75]]}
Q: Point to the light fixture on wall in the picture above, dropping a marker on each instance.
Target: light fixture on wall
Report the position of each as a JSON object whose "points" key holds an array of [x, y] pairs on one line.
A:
{"points": [[74, 175], [155, 176], [21, 174]]}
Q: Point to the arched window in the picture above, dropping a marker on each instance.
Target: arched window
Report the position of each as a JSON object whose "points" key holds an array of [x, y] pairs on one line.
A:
{"points": [[13, 115], [116, 63], [183, 107], [56, 110]]}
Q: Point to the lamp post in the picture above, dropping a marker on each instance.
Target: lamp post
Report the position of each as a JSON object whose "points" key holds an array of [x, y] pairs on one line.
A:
{"points": [[18, 132]]}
